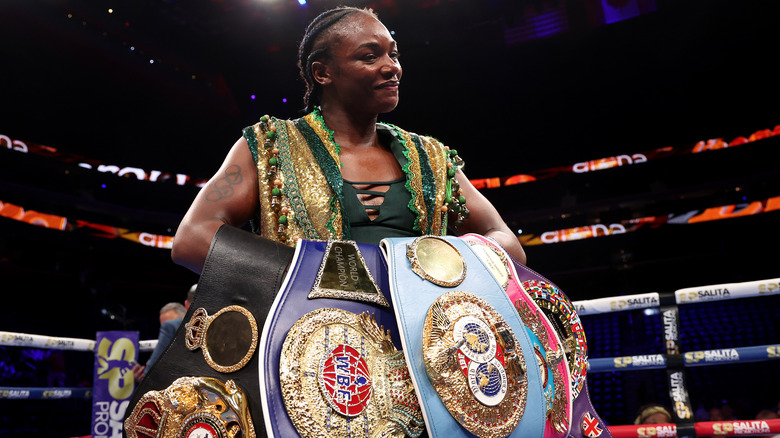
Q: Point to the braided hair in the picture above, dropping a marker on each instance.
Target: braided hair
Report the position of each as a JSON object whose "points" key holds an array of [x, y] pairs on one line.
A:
{"points": [[316, 45]]}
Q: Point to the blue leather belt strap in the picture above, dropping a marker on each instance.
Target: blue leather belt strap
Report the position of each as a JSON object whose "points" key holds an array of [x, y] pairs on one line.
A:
{"points": [[413, 296], [291, 304]]}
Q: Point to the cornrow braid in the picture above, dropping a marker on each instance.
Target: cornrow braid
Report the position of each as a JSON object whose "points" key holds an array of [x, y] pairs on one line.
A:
{"points": [[312, 50]]}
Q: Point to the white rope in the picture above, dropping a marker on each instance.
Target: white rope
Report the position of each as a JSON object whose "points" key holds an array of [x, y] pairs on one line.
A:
{"points": [[726, 291], [616, 304], [715, 292], [58, 343], [50, 342], [147, 345]]}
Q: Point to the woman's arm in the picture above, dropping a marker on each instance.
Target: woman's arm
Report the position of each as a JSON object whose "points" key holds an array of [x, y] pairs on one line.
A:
{"points": [[485, 220], [230, 197]]}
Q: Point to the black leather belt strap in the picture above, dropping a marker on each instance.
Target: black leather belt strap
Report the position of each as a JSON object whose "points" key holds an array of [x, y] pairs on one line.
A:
{"points": [[241, 269]]}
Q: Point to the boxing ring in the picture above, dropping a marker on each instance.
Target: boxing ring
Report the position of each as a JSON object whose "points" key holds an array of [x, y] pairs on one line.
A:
{"points": [[678, 364]]}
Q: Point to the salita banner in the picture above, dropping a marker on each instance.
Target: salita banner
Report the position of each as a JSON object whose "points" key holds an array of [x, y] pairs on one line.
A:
{"points": [[115, 354]]}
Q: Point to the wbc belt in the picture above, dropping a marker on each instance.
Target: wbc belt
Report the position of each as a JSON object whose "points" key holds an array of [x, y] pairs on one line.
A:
{"points": [[556, 379], [330, 366], [470, 357], [563, 317]]}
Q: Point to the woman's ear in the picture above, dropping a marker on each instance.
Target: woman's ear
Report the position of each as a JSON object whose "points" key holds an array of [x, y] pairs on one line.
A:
{"points": [[320, 72]]}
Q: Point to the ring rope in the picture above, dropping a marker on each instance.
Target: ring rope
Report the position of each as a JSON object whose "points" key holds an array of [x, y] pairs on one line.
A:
{"points": [[690, 295], [666, 430], [703, 428], [584, 307], [758, 353], [32, 393], [58, 343]]}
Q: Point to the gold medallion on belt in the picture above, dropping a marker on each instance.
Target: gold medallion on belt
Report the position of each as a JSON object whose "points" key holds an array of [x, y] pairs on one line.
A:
{"points": [[436, 260], [475, 364], [192, 407], [340, 373], [494, 259], [228, 338]]}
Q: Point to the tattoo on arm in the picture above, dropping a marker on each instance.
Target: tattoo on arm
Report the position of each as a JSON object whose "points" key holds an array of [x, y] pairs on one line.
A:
{"points": [[222, 188]]}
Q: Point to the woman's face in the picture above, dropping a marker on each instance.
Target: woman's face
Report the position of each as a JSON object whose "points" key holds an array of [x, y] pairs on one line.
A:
{"points": [[364, 70]]}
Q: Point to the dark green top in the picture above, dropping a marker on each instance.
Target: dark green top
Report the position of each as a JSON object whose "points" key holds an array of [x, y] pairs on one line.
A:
{"points": [[395, 218]]}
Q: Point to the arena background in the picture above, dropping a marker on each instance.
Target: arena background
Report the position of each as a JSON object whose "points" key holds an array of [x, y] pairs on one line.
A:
{"points": [[517, 86]]}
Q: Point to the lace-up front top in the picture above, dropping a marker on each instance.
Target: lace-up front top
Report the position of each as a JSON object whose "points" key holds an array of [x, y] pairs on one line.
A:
{"points": [[379, 209]]}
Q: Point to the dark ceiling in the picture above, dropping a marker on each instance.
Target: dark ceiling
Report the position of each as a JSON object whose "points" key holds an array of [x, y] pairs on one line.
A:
{"points": [[79, 78]]}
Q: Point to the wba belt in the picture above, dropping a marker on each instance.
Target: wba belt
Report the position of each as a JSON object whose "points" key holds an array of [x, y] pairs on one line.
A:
{"points": [[205, 382], [470, 357], [330, 366], [556, 379]]}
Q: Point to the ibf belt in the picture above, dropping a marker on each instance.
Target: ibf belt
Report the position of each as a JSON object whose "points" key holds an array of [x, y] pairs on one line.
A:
{"points": [[470, 357], [330, 366], [563, 317], [556, 379]]}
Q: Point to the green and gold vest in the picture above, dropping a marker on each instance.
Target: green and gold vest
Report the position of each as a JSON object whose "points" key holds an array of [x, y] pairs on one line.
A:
{"points": [[301, 187]]}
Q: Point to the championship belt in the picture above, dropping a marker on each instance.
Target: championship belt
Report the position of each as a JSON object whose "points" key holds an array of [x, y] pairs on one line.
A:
{"points": [[205, 383], [556, 379], [563, 317], [192, 407], [330, 367], [470, 357]]}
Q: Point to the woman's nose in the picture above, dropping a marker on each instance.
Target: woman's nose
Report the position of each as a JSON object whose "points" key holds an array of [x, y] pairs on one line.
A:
{"points": [[391, 67]]}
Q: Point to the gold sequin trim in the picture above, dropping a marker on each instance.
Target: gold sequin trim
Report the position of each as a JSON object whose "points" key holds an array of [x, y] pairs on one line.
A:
{"points": [[438, 159]]}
